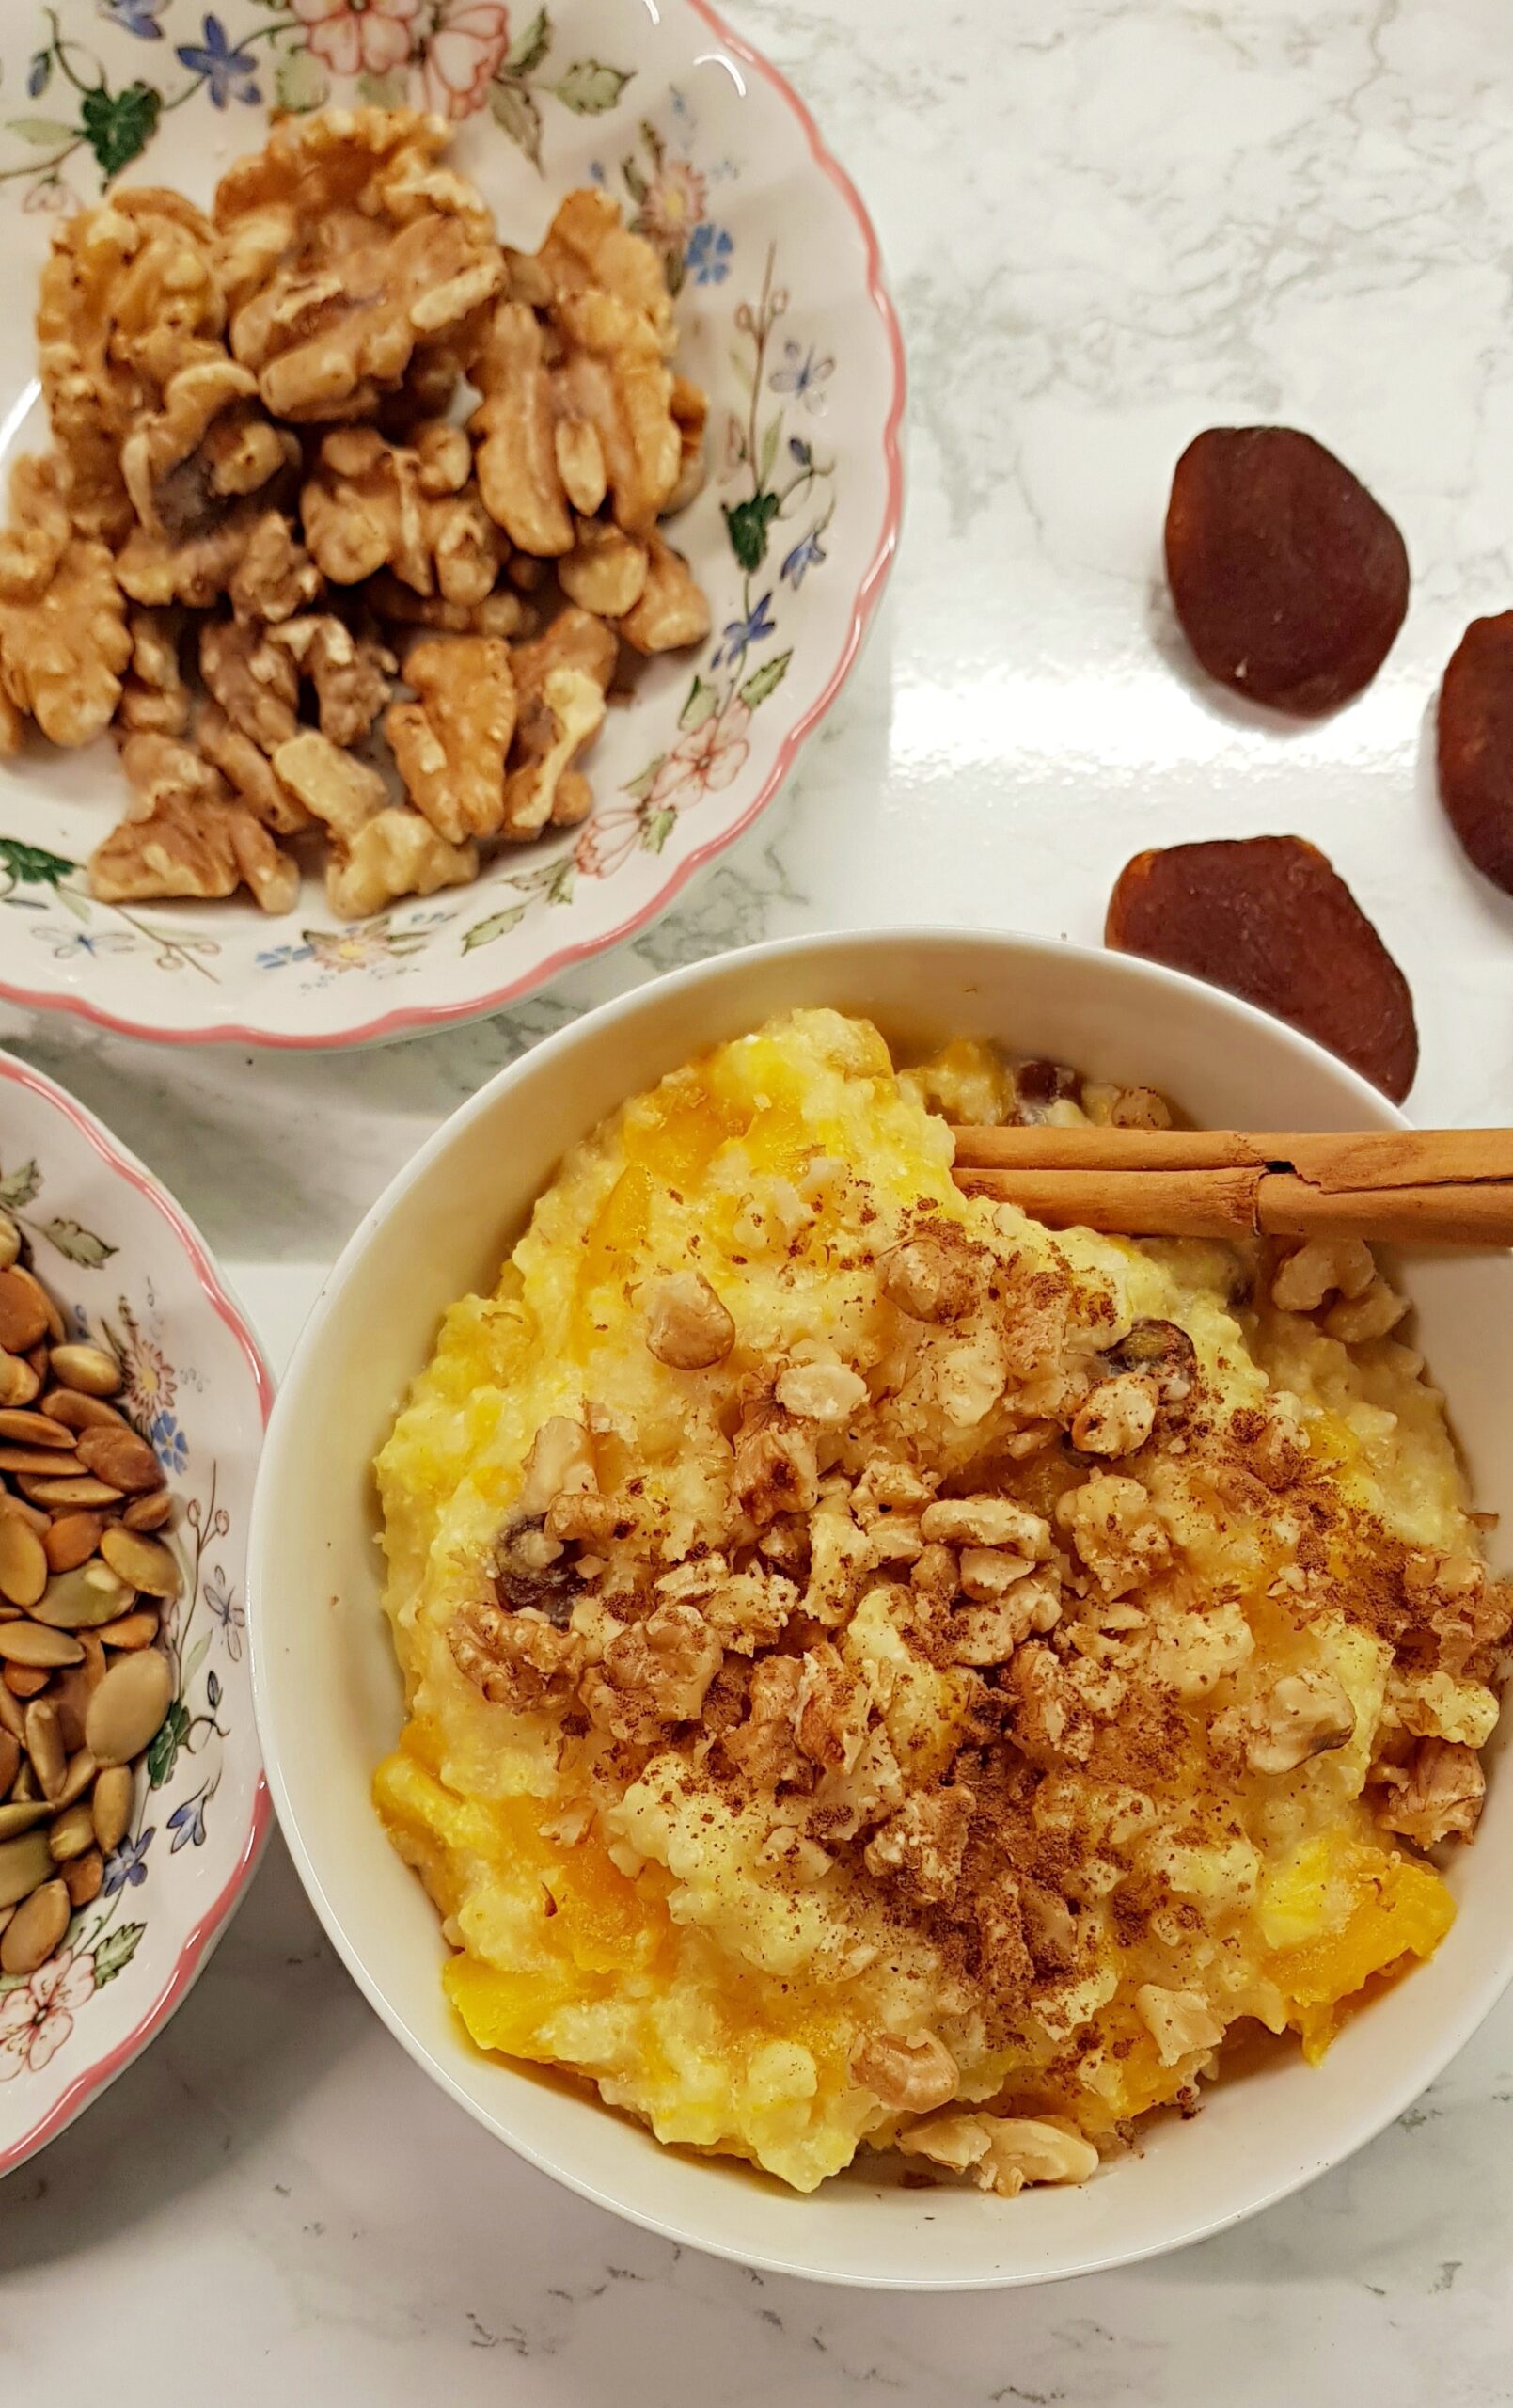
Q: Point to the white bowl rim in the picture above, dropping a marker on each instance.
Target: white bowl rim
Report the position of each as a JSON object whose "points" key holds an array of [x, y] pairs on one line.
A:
{"points": [[196, 1948], [1452, 2034], [422, 1018]]}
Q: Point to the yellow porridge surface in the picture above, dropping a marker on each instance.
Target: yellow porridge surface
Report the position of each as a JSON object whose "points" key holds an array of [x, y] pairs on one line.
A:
{"points": [[880, 1673]]}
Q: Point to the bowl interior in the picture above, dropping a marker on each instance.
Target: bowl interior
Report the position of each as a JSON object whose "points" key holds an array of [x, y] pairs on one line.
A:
{"points": [[784, 321], [328, 1691]]}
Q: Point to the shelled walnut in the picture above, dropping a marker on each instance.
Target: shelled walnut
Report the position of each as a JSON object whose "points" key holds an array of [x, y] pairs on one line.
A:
{"points": [[259, 482]]}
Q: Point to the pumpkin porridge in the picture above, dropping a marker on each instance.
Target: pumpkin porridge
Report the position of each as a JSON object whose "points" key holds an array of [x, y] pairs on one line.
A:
{"points": [[881, 1674]]}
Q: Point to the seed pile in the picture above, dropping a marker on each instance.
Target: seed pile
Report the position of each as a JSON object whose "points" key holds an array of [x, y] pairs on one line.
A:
{"points": [[85, 1683]]}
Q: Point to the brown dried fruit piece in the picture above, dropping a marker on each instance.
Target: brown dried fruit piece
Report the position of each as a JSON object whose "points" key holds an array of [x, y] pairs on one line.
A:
{"points": [[1475, 746], [1269, 918], [1288, 576]]}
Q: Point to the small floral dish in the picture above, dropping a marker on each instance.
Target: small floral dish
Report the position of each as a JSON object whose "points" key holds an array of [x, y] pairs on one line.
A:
{"points": [[783, 319], [128, 1273]]}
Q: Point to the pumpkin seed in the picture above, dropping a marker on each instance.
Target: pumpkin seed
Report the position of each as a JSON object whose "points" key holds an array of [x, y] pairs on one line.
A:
{"points": [[41, 1463], [143, 1563], [83, 1599], [79, 1777], [23, 1314], [33, 1430], [70, 1540], [23, 1789], [128, 1707], [22, 1814], [138, 1629], [54, 1324], [11, 1717], [70, 1491], [36, 1648], [9, 1760], [120, 1457], [78, 1412], [111, 1805], [72, 1833], [25, 1680], [149, 1512], [10, 1242], [35, 1929], [44, 1745], [82, 1878], [15, 1508], [22, 1562], [23, 1862], [88, 1368], [18, 1383], [72, 1691]]}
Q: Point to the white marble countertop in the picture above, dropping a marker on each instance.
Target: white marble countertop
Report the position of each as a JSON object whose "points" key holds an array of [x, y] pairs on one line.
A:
{"points": [[1108, 223]]}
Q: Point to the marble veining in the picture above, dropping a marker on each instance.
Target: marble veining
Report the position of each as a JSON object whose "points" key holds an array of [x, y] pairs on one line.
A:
{"points": [[1108, 223]]}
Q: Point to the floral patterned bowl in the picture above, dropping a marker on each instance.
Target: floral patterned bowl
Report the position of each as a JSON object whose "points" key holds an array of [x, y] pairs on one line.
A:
{"points": [[127, 1269], [784, 319]]}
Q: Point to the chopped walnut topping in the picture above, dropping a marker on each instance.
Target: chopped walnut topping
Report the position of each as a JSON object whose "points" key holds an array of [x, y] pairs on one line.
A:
{"points": [[834, 1709], [657, 1672], [208, 445], [1116, 1532], [517, 1660], [1319, 1267], [587, 246], [908, 2075], [1303, 1715], [501, 613], [1439, 1795], [253, 679], [186, 836], [275, 575], [451, 742], [924, 1841], [1002, 2153], [1179, 2021], [614, 378], [395, 853], [332, 784], [350, 674], [33, 545], [1010, 1607], [687, 1326], [606, 572], [932, 1278], [775, 1467], [828, 1393], [690, 412], [371, 504], [1355, 1319], [155, 697], [1118, 1417], [765, 1747], [518, 472], [247, 769], [194, 569], [986, 1521]]}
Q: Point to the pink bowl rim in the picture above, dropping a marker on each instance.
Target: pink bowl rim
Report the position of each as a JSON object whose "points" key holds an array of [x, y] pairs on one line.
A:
{"points": [[203, 1933], [869, 593]]}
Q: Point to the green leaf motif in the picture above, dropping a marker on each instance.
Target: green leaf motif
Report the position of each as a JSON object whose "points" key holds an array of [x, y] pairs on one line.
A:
{"points": [[498, 924], [165, 1749], [389, 92], [747, 523], [46, 132], [196, 1656], [119, 126], [636, 183], [765, 680], [559, 885], [116, 1951], [656, 829], [30, 867], [769, 448], [532, 45], [77, 1245], [301, 83], [515, 114], [701, 704], [638, 788], [590, 88], [20, 1186]]}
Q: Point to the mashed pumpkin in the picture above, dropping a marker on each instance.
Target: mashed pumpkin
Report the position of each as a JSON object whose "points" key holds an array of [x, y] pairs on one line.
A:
{"points": [[882, 1674]]}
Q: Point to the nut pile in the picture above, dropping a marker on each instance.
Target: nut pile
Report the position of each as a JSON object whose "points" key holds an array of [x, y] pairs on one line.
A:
{"points": [[259, 500], [83, 1683]]}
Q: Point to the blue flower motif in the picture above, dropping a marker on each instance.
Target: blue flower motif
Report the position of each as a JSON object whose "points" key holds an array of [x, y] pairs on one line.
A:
{"points": [[802, 374], [806, 553], [225, 1605], [169, 1442], [187, 1822], [800, 452], [139, 17], [740, 634], [708, 255], [229, 71], [39, 75], [64, 943], [126, 1868]]}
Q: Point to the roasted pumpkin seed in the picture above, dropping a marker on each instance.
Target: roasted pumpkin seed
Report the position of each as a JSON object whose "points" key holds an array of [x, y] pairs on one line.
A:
{"points": [[35, 1929], [72, 1833], [44, 1745], [88, 1368], [34, 1647], [129, 1706], [23, 1862], [111, 1805], [22, 1562], [83, 1599], [143, 1563]]}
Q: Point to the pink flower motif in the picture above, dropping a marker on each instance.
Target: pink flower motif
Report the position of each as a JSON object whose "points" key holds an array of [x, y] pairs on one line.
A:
{"points": [[53, 197], [672, 203], [36, 2020], [359, 37], [461, 55], [704, 761], [608, 842]]}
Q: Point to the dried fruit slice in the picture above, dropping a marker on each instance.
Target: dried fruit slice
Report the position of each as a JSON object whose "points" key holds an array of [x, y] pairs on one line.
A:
{"points": [[1289, 579], [1269, 918], [1475, 746]]}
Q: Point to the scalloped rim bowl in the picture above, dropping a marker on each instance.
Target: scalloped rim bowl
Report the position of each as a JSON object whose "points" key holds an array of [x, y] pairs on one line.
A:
{"points": [[329, 1693], [785, 320], [197, 1382]]}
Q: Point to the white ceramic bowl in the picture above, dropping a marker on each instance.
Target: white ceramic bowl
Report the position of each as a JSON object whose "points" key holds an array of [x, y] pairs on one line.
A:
{"points": [[328, 1695], [129, 1270], [784, 319]]}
